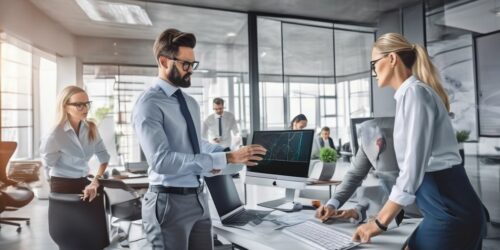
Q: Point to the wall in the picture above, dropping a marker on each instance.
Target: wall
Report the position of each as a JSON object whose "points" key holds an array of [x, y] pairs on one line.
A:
{"points": [[115, 51], [408, 21], [69, 72], [18, 17]]}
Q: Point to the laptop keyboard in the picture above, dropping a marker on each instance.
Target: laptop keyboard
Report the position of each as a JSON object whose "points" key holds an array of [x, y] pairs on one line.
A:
{"points": [[320, 236], [245, 216]]}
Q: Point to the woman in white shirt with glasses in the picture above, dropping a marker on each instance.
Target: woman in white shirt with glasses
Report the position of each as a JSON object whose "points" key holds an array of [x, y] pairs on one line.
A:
{"points": [[66, 151], [427, 154]]}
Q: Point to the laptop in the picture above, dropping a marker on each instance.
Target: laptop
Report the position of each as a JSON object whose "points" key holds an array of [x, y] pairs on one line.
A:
{"points": [[231, 210]]}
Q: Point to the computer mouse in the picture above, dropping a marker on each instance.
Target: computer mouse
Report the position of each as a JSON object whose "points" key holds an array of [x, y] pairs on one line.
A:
{"points": [[297, 206], [115, 172]]}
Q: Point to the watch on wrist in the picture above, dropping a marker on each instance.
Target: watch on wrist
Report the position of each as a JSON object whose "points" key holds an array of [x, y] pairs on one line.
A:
{"points": [[380, 225]]}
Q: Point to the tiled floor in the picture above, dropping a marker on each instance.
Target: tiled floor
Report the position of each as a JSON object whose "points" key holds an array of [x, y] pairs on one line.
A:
{"points": [[484, 177]]}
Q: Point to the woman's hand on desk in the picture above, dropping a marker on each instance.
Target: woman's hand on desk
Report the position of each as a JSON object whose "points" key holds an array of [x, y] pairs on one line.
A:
{"points": [[325, 212], [248, 155], [366, 231], [90, 191]]}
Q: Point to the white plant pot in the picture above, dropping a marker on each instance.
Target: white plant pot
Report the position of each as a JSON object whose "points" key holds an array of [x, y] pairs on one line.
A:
{"points": [[323, 171]]}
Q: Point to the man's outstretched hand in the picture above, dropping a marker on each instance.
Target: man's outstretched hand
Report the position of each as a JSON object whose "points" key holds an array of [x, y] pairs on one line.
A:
{"points": [[248, 155]]}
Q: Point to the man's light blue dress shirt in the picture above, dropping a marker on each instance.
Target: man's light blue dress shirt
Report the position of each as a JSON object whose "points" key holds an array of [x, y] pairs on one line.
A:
{"points": [[163, 135]]}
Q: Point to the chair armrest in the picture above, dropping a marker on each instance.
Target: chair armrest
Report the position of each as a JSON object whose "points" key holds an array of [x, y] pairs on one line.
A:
{"points": [[64, 197]]}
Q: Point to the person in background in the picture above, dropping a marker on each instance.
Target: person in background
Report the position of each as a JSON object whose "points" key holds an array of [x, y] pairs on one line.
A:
{"points": [[66, 151], [220, 127], [175, 211], [427, 153], [322, 141], [298, 122]]}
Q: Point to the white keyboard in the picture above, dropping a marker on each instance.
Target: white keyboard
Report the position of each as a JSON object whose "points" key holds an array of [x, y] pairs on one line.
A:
{"points": [[320, 236]]}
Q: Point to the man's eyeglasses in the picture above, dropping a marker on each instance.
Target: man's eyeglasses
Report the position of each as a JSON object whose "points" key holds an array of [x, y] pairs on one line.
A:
{"points": [[372, 65], [185, 64], [80, 105]]}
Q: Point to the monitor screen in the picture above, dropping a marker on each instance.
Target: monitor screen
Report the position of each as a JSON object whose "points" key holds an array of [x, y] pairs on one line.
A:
{"points": [[288, 152], [224, 193]]}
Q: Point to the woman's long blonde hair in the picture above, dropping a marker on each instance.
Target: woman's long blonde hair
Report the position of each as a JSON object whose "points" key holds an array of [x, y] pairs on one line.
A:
{"points": [[62, 115], [414, 57]]}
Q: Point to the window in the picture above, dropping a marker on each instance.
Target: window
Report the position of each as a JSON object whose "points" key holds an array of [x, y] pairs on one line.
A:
{"points": [[16, 97]]}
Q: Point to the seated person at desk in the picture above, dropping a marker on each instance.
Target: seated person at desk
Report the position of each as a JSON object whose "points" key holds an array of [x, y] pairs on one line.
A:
{"points": [[376, 150], [299, 122], [323, 141]]}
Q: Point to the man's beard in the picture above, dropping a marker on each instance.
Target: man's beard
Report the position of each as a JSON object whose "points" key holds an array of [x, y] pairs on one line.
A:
{"points": [[175, 78]]}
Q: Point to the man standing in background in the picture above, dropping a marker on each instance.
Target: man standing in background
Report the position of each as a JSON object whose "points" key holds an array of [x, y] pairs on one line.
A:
{"points": [[219, 127]]}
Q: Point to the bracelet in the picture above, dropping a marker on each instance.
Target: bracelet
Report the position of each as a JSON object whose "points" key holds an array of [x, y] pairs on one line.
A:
{"points": [[380, 226]]}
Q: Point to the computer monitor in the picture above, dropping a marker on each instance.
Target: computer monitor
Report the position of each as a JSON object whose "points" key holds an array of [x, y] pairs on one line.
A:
{"points": [[288, 154], [286, 163]]}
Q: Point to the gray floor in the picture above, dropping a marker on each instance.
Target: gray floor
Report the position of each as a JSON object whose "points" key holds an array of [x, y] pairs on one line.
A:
{"points": [[485, 178]]}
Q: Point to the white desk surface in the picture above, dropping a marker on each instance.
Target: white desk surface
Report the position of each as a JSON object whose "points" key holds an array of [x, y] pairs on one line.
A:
{"points": [[263, 236]]}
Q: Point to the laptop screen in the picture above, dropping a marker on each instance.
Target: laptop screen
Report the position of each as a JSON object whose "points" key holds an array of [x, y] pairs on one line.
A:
{"points": [[224, 193], [288, 152]]}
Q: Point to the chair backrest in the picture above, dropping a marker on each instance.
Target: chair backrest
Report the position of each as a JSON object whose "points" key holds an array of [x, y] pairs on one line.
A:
{"points": [[7, 149]]}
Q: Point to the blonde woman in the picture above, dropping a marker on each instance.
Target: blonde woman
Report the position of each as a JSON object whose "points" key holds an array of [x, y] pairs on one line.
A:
{"points": [[426, 152], [66, 152]]}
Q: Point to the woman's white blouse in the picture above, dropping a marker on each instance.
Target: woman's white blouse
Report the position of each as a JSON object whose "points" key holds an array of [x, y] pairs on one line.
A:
{"points": [[424, 139], [67, 155]]}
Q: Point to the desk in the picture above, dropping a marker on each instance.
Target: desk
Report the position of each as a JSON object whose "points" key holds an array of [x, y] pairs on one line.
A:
{"points": [[137, 183], [265, 237]]}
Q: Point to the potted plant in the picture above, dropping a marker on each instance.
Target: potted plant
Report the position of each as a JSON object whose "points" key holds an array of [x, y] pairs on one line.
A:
{"points": [[462, 136], [328, 158]]}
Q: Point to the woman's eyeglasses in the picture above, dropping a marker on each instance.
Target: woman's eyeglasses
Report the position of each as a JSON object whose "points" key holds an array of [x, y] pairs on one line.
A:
{"points": [[80, 105], [372, 65]]}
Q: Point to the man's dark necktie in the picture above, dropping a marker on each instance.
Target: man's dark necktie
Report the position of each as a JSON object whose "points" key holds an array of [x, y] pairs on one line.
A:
{"points": [[189, 121], [220, 126]]}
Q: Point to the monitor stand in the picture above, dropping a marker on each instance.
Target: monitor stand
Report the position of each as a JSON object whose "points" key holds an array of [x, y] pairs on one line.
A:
{"points": [[285, 204]]}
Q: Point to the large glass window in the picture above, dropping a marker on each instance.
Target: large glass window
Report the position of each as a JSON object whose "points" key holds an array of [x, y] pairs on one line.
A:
{"points": [[223, 72], [16, 97], [313, 68]]}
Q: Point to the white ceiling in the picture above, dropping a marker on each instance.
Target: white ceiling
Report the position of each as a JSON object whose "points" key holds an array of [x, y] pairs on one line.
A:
{"points": [[69, 14], [476, 16]]}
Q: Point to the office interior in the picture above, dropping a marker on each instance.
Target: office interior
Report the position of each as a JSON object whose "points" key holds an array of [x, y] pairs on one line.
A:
{"points": [[268, 59]]}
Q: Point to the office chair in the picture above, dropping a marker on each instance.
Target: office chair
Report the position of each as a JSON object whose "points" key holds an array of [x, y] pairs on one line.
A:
{"points": [[73, 227], [13, 195], [123, 203]]}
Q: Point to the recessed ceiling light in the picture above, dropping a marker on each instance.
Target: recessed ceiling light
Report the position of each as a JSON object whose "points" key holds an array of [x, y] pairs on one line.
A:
{"points": [[231, 34], [103, 11], [263, 54]]}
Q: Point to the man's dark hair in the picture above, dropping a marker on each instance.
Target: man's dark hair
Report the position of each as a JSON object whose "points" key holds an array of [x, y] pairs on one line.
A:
{"points": [[168, 43], [219, 101], [327, 129]]}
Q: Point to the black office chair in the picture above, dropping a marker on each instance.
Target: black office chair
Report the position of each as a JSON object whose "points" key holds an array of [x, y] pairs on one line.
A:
{"points": [[123, 203], [13, 195], [73, 227]]}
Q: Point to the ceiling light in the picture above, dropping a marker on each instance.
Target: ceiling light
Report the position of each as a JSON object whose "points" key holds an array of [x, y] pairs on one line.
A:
{"points": [[263, 54], [201, 71], [102, 11], [231, 34]]}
